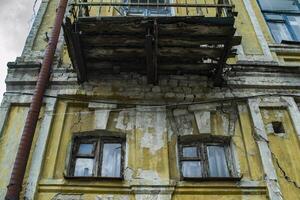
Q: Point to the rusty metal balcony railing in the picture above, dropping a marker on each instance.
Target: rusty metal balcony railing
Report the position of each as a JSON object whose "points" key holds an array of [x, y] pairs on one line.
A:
{"points": [[100, 8]]}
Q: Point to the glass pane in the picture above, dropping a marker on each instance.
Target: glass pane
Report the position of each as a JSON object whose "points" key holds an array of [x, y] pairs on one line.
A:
{"points": [[84, 167], [279, 31], [289, 5], [191, 169], [217, 161], [111, 160], [189, 152], [86, 149], [295, 24], [274, 16]]}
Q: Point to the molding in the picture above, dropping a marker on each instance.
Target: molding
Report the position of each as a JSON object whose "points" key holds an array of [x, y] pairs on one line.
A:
{"points": [[39, 151], [265, 153], [4, 113], [294, 113], [102, 111], [267, 56], [35, 27]]}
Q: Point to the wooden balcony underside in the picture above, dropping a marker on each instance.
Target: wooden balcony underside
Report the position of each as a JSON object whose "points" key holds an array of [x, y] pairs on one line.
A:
{"points": [[150, 45]]}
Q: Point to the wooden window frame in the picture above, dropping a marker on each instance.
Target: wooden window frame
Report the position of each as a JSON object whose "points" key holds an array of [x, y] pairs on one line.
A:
{"points": [[97, 155], [201, 142]]}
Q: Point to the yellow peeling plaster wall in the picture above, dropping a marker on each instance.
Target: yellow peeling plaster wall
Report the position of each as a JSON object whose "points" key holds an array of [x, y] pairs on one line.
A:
{"points": [[9, 141], [285, 151], [151, 143], [151, 156]]}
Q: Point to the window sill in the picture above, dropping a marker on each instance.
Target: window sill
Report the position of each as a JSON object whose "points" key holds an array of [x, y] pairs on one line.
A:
{"points": [[201, 179], [93, 178], [285, 48]]}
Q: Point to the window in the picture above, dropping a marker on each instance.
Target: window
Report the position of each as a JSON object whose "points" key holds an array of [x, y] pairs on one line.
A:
{"points": [[206, 157], [97, 157], [283, 19], [147, 10]]}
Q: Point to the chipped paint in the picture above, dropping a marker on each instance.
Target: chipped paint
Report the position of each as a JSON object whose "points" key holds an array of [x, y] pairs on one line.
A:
{"points": [[125, 120], [148, 175], [112, 197], [203, 121], [151, 167], [153, 126]]}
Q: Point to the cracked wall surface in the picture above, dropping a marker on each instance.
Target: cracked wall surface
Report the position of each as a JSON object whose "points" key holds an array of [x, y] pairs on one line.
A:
{"points": [[262, 86]]}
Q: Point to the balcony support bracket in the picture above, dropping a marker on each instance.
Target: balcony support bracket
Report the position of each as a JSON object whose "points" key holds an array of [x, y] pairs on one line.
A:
{"points": [[218, 77], [74, 48], [151, 48]]}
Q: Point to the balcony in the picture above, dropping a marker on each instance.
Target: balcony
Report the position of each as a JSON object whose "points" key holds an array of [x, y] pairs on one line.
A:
{"points": [[150, 37]]}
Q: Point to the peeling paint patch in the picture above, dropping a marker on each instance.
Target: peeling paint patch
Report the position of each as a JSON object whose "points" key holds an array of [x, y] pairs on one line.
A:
{"points": [[225, 123], [203, 121], [170, 131], [153, 193], [125, 120], [112, 197], [148, 175], [128, 173], [266, 114], [67, 197], [153, 126], [279, 115], [184, 124]]}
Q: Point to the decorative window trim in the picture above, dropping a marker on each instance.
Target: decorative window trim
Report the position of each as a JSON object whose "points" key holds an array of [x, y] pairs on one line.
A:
{"points": [[201, 142], [99, 138]]}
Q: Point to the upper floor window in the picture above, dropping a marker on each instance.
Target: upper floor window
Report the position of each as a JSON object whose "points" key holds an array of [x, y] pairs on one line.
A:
{"points": [[97, 157], [206, 158], [283, 19], [150, 10]]}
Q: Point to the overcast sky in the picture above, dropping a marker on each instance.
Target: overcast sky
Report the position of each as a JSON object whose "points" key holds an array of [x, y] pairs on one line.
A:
{"points": [[16, 18]]}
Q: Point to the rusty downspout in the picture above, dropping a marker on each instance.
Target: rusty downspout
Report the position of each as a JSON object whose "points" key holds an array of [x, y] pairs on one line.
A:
{"points": [[16, 180]]}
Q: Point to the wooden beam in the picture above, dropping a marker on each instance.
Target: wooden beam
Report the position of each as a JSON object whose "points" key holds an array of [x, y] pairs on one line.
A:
{"points": [[155, 33], [151, 61], [218, 77], [75, 51], [167, 26], [105, 40]]}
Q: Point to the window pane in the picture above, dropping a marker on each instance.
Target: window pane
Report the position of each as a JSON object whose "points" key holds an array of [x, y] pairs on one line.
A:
{"points": [[217, 161], [111, 160], [274, 17], [191, 169], [288, 5], [189, 152], [86, 149], [279, 31], [295, 24], [84, 167]]}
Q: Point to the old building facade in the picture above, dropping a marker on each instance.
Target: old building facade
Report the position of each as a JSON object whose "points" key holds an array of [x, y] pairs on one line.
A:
{"points": [[160, 100]]}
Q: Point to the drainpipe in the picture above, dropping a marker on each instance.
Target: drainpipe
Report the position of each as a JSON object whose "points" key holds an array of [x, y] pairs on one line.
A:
{"points": [[16, 180]]}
